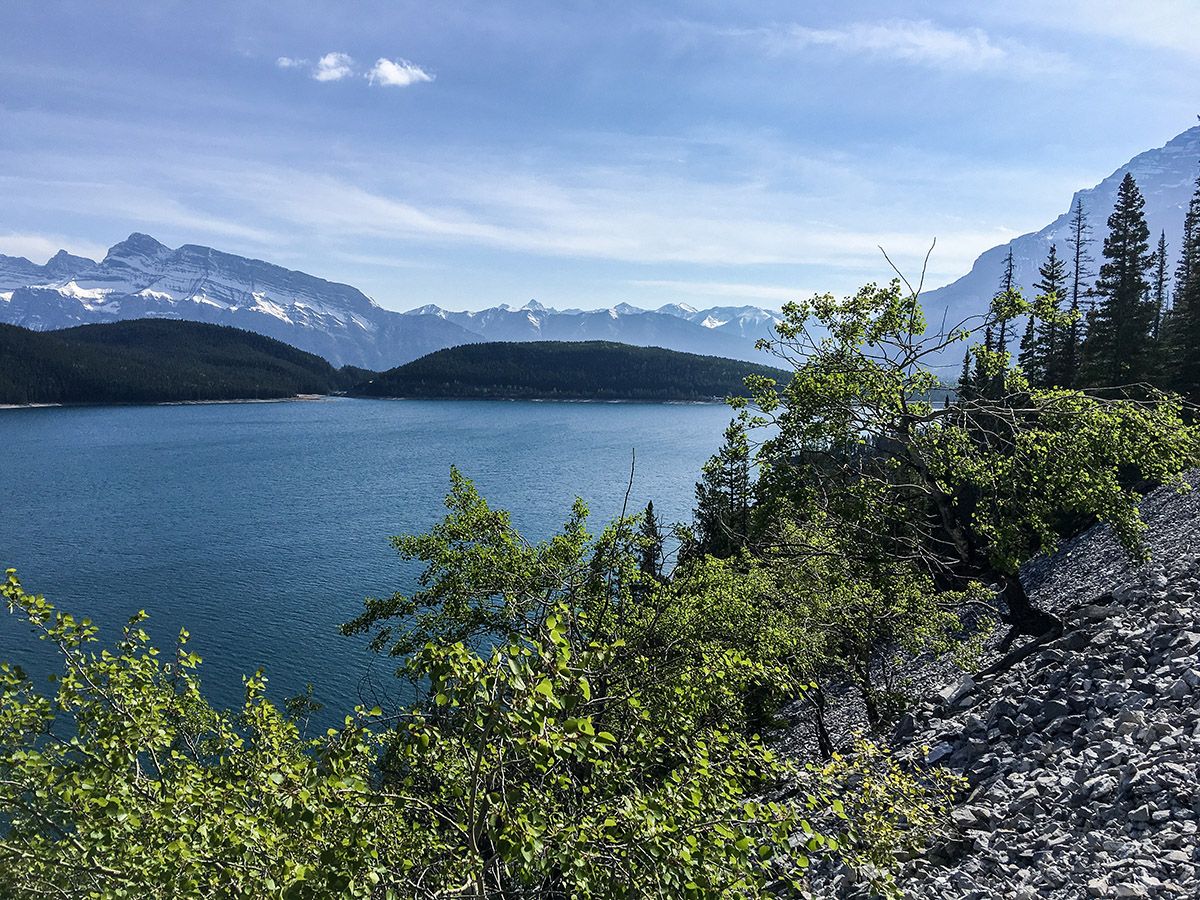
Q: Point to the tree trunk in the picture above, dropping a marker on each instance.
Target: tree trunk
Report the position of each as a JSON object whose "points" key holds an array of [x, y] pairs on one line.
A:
{"points": [[1022, 616], [824, 744]]}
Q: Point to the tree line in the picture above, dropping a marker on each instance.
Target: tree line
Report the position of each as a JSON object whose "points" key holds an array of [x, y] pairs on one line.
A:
{"points": [[565, 370], [1132, 323], [158, 361]]}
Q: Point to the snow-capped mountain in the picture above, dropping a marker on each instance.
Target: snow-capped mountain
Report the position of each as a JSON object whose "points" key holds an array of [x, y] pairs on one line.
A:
{"points": [[142, 278], [719, 331], [751, 322], [1166, 177]]}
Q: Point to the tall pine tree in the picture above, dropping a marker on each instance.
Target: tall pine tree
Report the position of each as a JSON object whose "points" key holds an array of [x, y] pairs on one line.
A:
{"points": [[1081, 260], [1158, 285], [1007, 286], [1117, 349], [1042, 348], [1183, 326], [723, 497], [650, 539]]}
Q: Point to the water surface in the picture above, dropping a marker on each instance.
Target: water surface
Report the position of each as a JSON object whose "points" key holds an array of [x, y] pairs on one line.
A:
{"points": [[262, 526]]}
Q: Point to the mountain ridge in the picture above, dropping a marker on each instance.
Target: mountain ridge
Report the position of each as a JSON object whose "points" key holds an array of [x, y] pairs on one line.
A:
{"points": [[140, 277]]}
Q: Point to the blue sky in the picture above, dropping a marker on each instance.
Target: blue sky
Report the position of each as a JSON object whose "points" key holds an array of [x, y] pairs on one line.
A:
{"points": [[585, 154]]}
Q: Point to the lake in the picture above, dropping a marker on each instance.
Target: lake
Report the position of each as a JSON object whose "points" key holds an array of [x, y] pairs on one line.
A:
{"points": [[262, 526]]}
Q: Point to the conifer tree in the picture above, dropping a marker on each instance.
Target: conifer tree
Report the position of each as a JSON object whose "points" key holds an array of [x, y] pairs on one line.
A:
{"points": [[966, 381], [1030, 358], [651, 544], [1042, 348], [1117, 350], [1182, 336], [723, 497], [1159, 279], [1007, 285], [981, 382], [1081, 259]]}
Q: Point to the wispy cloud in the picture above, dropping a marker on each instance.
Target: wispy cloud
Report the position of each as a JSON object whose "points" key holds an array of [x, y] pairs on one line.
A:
{"points": [[397, 73], [288, 62], [40, 247], [920, 42], [333, 67]]}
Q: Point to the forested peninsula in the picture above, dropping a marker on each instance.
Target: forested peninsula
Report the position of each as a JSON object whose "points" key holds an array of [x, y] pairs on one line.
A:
{"points": [[157, 361], [554, 370]]}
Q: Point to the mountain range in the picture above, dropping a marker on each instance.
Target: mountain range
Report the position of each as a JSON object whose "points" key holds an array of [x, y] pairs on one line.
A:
{"points": [[141, 278]]}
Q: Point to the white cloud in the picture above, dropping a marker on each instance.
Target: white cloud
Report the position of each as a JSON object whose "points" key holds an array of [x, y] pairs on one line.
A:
{"points": [[397, 73], [333, 67], [923, 43], [288, 62]]}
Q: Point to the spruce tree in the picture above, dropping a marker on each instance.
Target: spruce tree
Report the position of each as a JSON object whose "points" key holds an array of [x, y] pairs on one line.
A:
{"points": [[1081, 259], [1182, 336], [1159, 279], [981, 382], [1030, 357], [966, 380], [1117, 350], [1007, 285], [650, 540], [723, 497], [1043, 360]]}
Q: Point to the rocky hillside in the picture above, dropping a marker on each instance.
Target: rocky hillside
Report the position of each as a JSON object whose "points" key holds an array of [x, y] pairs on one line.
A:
{"points": [[1083, 759]]}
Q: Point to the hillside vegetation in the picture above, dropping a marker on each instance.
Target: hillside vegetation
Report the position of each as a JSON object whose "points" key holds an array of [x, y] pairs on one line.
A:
{"points": [[589, 370], [156, 361]]}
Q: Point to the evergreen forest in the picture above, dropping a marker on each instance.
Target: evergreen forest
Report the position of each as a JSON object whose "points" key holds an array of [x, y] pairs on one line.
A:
{"points": [[559, 370], [157, 361]]}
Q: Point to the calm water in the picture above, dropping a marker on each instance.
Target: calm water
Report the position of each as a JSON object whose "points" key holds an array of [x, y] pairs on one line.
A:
{"points": [[261, 527]]}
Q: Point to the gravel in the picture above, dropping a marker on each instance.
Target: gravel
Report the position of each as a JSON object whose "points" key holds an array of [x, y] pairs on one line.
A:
{"points": [[1083, 760]]}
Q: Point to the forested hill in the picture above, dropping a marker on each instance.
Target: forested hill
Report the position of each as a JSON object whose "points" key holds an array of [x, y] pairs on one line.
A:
{"points": [[157, 361], [556, 370]]}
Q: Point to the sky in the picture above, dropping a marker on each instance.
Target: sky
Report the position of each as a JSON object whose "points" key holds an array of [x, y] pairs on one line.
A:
{"points": [[580, 153]]}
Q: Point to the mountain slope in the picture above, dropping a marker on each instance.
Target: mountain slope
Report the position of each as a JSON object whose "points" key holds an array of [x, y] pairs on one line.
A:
{"points": [[141, 278], [1167, 179], [153, 361], [592, 370]]}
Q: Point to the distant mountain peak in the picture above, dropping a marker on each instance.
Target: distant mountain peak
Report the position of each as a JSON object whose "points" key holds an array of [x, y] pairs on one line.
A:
{"points": [[138, 244], [534, 306], [677, 309]]}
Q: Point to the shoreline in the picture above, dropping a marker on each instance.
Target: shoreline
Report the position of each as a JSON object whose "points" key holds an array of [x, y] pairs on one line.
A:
{"points": [[314, 398], [296, 398]]}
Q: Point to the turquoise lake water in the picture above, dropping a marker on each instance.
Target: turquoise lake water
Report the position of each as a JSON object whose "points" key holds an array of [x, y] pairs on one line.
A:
{"points": [[262, 526]]}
